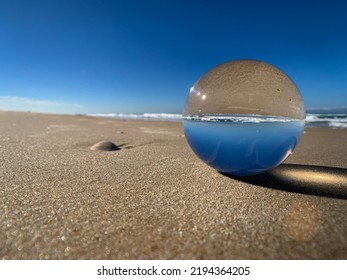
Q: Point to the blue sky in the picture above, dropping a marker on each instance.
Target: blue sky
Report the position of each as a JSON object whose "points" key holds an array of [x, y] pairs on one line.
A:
{"points": [[97, 56]]}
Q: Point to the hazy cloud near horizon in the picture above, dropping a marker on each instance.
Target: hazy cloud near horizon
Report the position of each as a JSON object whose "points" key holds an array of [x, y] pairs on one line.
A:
{"points": [[16, 103]]}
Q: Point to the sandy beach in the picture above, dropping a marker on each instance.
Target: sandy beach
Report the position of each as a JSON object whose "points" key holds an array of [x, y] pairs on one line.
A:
{"points": [[154, 199]]}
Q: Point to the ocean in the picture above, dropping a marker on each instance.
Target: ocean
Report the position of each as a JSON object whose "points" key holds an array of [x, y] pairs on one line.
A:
{"points": [[326, 120], [312, 120]]}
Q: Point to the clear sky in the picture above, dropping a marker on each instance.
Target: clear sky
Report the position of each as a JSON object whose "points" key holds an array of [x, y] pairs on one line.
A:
{"points": [[98, 56]]}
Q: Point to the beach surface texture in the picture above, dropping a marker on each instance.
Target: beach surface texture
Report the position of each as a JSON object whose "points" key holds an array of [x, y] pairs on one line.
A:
{"points": [[152, 198]]}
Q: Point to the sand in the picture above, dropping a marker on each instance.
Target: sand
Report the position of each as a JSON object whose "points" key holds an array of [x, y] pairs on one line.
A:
{"points": [[154, 199]]}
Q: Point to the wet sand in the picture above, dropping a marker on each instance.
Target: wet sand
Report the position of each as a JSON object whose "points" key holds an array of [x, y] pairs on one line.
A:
{"points": [[154, 199]]}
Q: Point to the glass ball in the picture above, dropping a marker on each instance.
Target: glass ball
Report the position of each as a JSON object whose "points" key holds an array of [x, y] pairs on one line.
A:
{"points": [[244, 117]]}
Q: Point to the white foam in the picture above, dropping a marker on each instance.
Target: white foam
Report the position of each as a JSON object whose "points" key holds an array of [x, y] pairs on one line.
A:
{"points": [[144, 116], [312, 120], [239, 118], [338, 125]]}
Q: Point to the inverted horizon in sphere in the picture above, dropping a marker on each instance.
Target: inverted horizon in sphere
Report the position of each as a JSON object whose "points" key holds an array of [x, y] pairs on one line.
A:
{"points": [[244, 117]]}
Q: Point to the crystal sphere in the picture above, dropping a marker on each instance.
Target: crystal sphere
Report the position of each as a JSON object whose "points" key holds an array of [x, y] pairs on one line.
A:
{"points": [[244, 117]]}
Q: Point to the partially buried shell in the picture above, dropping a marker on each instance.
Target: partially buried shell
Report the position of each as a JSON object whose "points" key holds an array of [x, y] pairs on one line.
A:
{"points": [[104, 146]]}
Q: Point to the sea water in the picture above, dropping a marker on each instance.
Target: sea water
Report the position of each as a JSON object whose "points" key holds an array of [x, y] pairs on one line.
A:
{"points": [[242, 144]]}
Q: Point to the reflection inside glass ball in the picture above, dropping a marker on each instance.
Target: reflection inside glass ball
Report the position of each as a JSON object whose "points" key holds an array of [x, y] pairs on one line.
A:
{"points": [[244, 117]]}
